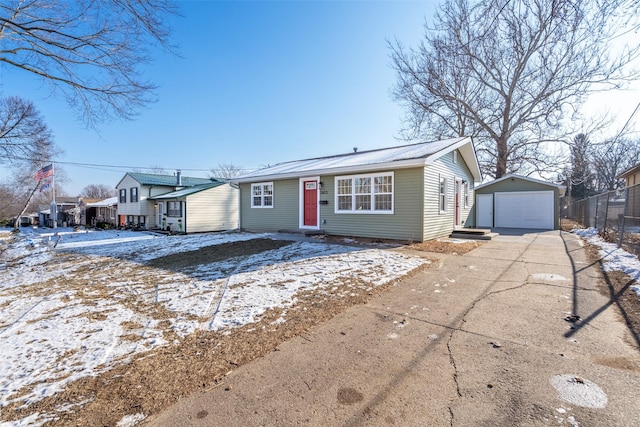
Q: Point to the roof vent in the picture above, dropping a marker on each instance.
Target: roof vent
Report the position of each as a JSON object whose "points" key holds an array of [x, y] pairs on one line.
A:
{"points": [[355, 149], [178, 177]]}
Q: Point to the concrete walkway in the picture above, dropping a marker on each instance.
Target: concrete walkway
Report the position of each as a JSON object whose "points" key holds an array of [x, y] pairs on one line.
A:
{"points": [[512, 333]]}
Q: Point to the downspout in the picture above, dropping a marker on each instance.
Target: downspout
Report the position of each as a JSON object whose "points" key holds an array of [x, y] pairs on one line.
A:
{"points": [[185, 216], [154, 220], [237, 186]]}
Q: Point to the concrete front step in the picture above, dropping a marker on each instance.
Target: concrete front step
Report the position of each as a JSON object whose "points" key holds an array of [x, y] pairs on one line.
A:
{"points": [[473, 236]]}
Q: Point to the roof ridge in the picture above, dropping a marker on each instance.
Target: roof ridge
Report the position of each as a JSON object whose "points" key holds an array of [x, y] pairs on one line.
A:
{"points": [[373, 150]]}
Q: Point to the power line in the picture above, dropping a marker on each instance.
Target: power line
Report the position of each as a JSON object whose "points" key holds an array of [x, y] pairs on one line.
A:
{"points": [[114, 168]]}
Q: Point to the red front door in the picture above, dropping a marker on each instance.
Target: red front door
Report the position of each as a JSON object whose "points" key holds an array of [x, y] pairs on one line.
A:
{"points": [[310, 203]]}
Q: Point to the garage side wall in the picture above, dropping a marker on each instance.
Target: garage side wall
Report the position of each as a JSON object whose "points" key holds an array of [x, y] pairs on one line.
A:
{"points": [[520, 185]]}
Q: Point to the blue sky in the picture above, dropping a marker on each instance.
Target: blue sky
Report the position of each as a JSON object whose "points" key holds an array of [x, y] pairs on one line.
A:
{"points": [[257, 83]]}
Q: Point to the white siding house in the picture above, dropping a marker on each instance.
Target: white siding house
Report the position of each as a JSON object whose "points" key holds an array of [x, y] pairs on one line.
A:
{"points": [[175, 202]]}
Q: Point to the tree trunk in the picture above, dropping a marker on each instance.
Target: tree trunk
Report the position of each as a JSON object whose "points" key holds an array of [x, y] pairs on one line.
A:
{"points": [[26, 205], [501, 159]]}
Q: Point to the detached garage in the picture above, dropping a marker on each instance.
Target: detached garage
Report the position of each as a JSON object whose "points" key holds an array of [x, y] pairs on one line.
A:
{"points": [[515, 201]]}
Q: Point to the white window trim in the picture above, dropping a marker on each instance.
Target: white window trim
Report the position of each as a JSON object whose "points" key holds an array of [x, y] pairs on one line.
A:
{"points": [[262, 205], [367, 212], [301, 206], [446, 198], [180, 209], [466, 193]]}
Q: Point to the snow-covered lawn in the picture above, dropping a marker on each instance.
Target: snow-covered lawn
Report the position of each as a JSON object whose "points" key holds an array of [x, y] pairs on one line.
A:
{"points": [[93, 301], [614, 259]]}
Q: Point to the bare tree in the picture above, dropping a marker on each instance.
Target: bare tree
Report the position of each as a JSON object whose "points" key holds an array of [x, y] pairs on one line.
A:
{"points": [[612, 158], [24, 137], [98, 191], [19, 193], [581, 177], [88, 50], [226, 171], [9, 205], [509, 73]]}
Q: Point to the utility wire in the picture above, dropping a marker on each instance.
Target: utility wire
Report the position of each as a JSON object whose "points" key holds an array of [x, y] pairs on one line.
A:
{"points": [[104, 167]]}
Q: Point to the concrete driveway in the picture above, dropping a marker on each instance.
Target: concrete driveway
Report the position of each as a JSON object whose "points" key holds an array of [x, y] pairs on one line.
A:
{"points": [[512, 333]]}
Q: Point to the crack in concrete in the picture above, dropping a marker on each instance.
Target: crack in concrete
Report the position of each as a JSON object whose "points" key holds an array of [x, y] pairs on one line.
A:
{"points": [[452, 361], [486, 294], [453, 326]]}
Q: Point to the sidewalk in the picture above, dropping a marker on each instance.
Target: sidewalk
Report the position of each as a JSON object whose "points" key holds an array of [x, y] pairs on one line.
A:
{"points": [[512, 333]]}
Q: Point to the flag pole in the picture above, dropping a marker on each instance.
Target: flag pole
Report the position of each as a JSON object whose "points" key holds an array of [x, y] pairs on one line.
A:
{"points": [[53, 194]]}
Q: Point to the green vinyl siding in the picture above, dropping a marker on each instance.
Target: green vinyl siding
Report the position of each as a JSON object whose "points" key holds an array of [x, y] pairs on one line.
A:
{"points": [[284, 213], [440, 224], [416, 214], [405, 223]]}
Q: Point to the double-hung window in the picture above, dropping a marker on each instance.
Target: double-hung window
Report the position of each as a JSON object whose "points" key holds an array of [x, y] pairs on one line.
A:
{"points": [[370, 193], [174, 209], [133, 194], [465, 193], [262, 195], [442, 193], [123, 196]]}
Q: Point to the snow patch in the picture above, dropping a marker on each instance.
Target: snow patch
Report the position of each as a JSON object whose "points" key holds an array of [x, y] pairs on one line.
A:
{"points": [[549, 277], [54, 333], [579, 391]]}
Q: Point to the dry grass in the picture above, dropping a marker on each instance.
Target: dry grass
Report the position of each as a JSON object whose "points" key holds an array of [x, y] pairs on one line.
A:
{"points": [[152, 381], [446, 247]]}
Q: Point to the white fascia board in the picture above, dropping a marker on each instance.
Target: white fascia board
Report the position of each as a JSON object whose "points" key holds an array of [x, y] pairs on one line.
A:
{"points": [[435, 156], [468, 152], [524, 178], [401, 164], [122, 179]]}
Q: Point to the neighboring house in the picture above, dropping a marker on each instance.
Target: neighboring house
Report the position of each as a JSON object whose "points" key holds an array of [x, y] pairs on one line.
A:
{"points": [[97, 212], [66, 212], [515, 201], [87, 213], [176, 202], [631, 205], [413, 192], [631, 176]]}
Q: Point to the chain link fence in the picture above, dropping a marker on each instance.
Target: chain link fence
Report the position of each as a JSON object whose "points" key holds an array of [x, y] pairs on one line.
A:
{"points": [[616, 216]]}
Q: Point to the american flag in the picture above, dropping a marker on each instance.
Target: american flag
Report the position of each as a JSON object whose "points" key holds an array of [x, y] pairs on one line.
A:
{"points": [[45, 172]]}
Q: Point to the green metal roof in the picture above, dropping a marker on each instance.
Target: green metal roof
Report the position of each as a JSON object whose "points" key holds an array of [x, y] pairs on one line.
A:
{"points": [[169, 180], [186, 191]]}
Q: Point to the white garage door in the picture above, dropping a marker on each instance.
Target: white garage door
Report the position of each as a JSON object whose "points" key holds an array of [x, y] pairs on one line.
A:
{"points": [[524, 209]]}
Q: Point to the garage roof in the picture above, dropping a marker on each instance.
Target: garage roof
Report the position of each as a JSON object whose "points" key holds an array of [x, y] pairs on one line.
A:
{"points": [[560, 187]]}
